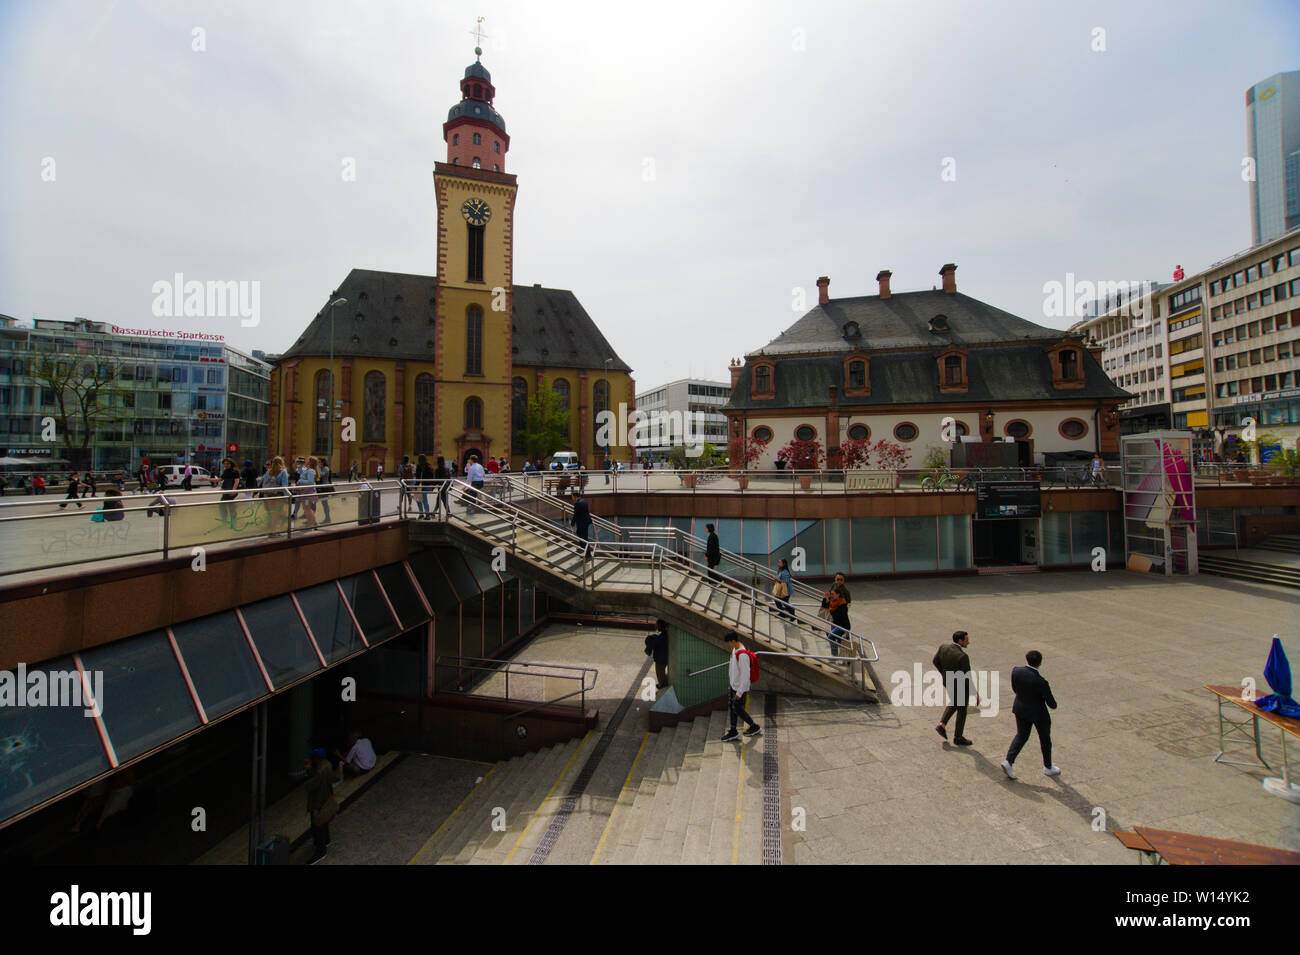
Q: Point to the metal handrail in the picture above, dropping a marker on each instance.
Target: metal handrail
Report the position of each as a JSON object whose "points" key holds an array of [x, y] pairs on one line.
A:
{"points": [[506, 667], [658, 558]]}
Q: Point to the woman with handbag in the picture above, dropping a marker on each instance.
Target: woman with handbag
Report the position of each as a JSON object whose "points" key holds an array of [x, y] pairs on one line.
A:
{"points": [[321, 806], [781, 589]]}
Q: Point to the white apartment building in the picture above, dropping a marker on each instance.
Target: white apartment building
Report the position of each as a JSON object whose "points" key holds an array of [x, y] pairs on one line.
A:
{"points": [[702, 398], [1212, 349]]}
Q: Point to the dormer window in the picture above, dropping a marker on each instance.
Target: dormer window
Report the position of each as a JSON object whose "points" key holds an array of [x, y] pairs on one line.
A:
{"points": [[763, 383], [1069, 365], [851, 330], [939, 324], [857, 376], [952, 370]]}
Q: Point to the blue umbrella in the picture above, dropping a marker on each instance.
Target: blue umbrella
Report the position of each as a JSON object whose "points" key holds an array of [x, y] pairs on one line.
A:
{"points": [[1277, 671]]}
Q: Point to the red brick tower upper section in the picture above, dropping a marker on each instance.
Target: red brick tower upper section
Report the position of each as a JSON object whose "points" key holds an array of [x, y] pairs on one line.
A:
{"points": [[474, 132]]}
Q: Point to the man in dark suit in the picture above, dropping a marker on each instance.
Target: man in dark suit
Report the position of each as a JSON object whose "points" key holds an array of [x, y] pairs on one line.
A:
{"points": [[582, 523], [952, 661], [1033, 700], [712, 552]]}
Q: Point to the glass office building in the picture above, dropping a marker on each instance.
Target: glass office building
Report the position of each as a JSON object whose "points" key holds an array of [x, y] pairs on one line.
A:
{"points": [[152, 395], [1273, 143]]}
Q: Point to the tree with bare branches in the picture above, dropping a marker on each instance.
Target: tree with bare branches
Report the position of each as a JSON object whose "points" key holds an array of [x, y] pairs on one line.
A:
{"points": [[88, 395]]}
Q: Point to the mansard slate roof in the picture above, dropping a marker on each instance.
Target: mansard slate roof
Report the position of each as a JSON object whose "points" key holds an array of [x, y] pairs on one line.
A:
{"points": [[396, 322], [900, 321], [1007, 356]]}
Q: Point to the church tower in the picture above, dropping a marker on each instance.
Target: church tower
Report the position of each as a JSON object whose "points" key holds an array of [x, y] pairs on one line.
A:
{"points": [[474, 299]]}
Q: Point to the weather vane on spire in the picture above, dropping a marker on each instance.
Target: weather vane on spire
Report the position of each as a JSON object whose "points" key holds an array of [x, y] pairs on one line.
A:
{"points": [[478, 35]]}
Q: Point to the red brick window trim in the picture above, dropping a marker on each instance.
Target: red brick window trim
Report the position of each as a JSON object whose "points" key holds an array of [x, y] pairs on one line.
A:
{"points": [[855, 386], [953, 375], [759, 371], [1067, 365], [915, 431], [1082, 429], [1029, 429]]}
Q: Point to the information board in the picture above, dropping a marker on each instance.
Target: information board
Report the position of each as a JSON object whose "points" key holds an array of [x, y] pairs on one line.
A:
{"points": [[1007, 500]]}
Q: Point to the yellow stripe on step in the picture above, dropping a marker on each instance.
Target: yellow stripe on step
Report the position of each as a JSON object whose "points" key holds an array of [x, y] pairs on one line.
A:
{"points": [[415, 858], [617, 802], [523, 835]]}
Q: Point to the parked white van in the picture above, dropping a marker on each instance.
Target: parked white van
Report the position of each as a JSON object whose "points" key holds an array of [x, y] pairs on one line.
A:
{"points": [[173, 474], [564, 461]]}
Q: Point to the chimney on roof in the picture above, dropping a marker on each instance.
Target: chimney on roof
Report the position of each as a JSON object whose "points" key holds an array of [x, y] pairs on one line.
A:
{"points": [[735, 371], [883, 278], [823, 290], [949, 273]]}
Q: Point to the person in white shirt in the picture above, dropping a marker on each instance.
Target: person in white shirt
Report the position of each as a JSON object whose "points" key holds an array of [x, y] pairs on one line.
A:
{"points": [[360, 758], [476, 476], [738, 673]]}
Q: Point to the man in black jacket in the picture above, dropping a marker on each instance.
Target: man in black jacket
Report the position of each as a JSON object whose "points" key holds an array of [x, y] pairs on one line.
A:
{"points": [[582, 523], [952, 661], [713, 553], [1033, 700]]}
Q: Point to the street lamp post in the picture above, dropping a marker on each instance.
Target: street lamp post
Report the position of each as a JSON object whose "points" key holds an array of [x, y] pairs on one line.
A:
{"points": [[329, 410], [607, 403]]}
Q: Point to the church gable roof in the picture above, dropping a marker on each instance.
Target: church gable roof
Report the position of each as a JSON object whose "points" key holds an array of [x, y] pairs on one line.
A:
{"points": [[391, 315]]}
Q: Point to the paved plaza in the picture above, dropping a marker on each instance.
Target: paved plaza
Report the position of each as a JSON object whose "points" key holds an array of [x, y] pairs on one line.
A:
{"points": [[1135, 734]]}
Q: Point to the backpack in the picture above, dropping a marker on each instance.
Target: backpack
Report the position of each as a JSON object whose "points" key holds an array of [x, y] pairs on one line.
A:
{"points": [[650, 643], [408, 472], [753, 664]]}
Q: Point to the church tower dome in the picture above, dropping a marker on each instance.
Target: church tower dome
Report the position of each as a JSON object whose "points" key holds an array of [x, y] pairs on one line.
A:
{"points": [[474, 132]]}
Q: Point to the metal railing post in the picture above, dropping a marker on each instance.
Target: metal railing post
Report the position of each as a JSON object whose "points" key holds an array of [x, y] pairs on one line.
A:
{"points": [[167, 524]]}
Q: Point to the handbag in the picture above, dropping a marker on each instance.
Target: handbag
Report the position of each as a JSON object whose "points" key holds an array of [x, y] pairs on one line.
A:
{"points": [[323, 815], [779, 590]]}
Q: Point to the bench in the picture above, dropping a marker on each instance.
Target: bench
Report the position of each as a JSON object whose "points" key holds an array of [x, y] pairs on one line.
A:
{"points": [[1183, 848], [562, 484], [871, 482]]}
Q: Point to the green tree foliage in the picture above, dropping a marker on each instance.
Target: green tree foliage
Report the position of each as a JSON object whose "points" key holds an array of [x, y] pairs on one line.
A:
{"points": [[87, 397], [546, 424]]}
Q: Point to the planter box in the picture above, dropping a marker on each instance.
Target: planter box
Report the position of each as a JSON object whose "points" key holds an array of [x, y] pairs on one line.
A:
{"points": [[805, 482], [689, 479]]}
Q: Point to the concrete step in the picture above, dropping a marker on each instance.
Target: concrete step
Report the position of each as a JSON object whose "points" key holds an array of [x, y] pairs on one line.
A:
{"points": [[472, 812], [683, 797], [663, 795], [479, 817], [1249, 570], [528, 813], [634, 827], [515, 797], [749, 848], [704, 801]]}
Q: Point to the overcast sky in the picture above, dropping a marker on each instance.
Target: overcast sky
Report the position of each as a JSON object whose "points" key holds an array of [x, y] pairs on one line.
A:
{"points": [[682, 166]]}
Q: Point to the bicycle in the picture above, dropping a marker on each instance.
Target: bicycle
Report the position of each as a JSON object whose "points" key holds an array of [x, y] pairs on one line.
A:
{"points": [[945, 479]]}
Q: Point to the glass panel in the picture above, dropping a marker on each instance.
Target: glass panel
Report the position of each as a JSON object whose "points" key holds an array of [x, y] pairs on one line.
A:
{"points": [[145, 701], [1056, 538], [45, 749], [368, 604], [1115, 555], [873, 545], [812, 540], [754, 540], [281, 640], [434, 583], [462, 580], [492, 619], [954, 541], [220, 662], [510, 610], [403, 596], [526, 617], [482, 570], [395, 668], [837, 546], [917, 549], [327, 615], [1089, 530]]}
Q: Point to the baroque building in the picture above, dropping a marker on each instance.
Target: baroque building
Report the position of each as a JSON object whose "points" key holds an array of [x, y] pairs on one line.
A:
{"points": [[446, 364]]}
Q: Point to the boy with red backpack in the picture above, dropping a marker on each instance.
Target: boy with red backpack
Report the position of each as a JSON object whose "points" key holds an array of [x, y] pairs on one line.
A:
{"points": [[742, 669]]}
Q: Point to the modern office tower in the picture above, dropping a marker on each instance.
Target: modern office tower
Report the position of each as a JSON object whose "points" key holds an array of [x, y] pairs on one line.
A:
{"points": [[1273, 145]]}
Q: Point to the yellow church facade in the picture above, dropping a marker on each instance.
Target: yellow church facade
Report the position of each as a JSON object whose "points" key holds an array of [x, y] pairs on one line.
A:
{"points": [[397, 365]]}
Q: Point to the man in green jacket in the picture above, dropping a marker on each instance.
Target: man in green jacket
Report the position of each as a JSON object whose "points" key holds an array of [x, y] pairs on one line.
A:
{"points": [[321, 807], [951, 660]]}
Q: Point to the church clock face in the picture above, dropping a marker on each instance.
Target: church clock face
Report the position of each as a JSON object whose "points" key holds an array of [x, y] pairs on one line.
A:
{"points": [[476, 212]]}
